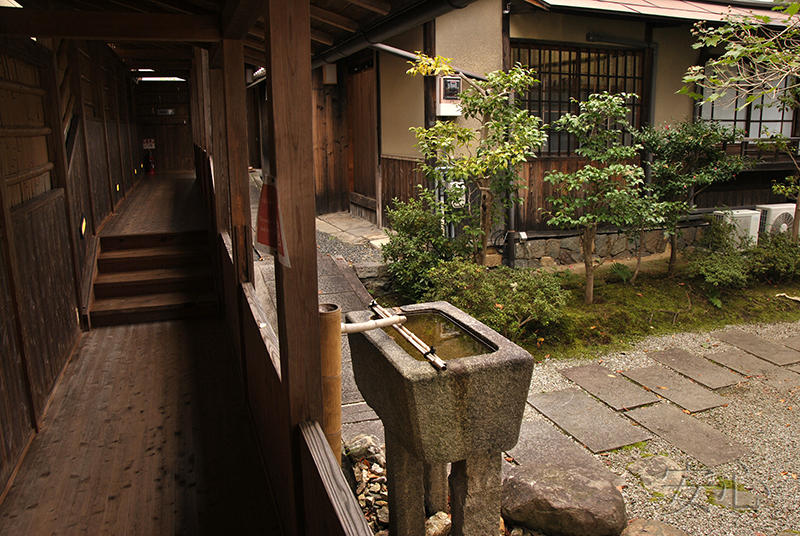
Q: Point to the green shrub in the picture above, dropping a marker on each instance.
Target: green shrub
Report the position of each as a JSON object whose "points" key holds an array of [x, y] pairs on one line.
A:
{"points": [[718, 260], [776, 258], [418, 243], [513, 302]]}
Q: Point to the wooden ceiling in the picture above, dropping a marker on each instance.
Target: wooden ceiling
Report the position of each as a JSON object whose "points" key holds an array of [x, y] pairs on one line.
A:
{"points": [[159, 34]]}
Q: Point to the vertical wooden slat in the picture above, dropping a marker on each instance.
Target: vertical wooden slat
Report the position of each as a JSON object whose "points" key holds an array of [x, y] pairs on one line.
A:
{"points": [[237, 156], [289, 96]]}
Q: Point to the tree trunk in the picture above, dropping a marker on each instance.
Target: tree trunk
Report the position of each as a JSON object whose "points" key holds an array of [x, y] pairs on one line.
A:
{"points": [[487, 202], [796, 221], [638, 259], [673, 254], [587, 247]]}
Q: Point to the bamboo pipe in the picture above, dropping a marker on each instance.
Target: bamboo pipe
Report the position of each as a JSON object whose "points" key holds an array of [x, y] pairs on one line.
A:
{"points": [[426, 351], [373, 324], [330, 321]]}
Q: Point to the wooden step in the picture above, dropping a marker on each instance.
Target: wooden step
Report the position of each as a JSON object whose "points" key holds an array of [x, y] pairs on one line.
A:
{"points": [[129, 260], [151, 240], [163, 280], [152, 307]]}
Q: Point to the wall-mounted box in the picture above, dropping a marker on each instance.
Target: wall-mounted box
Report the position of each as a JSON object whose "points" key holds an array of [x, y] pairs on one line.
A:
{"points": [[448, 103]]}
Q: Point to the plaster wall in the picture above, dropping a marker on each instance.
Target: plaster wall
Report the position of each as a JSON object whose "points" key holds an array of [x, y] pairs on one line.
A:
{"points": [[565, 28], [675, 55], [472, 36], [401, 98]]}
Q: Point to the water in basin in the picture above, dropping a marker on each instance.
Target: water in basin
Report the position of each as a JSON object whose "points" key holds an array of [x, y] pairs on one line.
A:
{"points": [[449, 339]]}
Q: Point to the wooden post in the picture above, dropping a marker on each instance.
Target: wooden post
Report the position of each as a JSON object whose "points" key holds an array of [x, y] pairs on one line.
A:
{"points": [[288, 66], [238, 177]]}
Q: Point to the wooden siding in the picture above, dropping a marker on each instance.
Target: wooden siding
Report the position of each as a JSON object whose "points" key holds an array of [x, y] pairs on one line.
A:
{"points": [[401, 176], [24, 158], [330, 143], [172, 133], [45, 273], [15, 422], [98, 169], [80, 198]]}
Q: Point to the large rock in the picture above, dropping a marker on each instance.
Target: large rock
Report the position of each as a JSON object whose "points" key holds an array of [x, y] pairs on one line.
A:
{"points": [[644, 527], [560, 501]]}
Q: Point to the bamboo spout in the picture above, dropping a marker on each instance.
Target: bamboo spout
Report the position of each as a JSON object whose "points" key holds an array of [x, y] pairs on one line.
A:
{"points": [[330, 319]]}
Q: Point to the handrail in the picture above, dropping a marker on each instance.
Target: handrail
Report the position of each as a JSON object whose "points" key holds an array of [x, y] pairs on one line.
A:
{"points": [[341, 498]]}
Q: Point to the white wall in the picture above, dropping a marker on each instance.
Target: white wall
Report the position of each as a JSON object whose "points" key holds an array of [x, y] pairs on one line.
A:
{"points": [[402, 103]]}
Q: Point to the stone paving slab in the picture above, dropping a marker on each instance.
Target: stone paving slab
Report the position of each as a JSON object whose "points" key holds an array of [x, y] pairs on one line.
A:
{"points": [[590, 422], [792, 342], [749, 365], [355, 413], [676, 388], [795, 368], [541, 443], [695, 367], [697, 439], [609, 386], [775, 353]]}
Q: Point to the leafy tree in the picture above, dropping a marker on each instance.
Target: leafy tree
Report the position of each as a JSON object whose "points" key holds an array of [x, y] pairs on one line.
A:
{"points": [[790, 187], [761, 58], [687, 159], [604, 190], [488, 157]]}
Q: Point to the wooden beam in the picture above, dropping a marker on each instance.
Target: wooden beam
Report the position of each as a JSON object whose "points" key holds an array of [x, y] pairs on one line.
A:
{"points": [[334, 19], [154, 54], [381, 7], [321, 37], [239, 178], [108, 26], [238, 16]]}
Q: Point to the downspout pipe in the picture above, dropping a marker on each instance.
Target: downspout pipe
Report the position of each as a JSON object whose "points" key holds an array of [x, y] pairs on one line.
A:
{"points": [[389, 27]]}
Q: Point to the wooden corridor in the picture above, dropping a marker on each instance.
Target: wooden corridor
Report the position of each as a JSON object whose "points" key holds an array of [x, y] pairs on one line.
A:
{"points": [[148, 431]]}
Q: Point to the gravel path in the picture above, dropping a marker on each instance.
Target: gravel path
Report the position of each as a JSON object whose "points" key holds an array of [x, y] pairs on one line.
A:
{"points": [[330, 245], [757, 415]]}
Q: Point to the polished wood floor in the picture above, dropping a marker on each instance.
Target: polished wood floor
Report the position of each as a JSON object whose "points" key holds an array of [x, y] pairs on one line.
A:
{"points": [[147, 434], [157, 204]]}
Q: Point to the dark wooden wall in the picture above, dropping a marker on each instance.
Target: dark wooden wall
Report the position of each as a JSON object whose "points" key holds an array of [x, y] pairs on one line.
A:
{"points": [[330, 145], [400, 178], [16, 427], [172, 133], [45, 272]]}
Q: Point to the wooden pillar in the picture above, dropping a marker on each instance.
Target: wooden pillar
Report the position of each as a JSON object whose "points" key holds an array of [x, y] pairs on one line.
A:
{"points": [[219, 150], [238, 177], [288, 65]]}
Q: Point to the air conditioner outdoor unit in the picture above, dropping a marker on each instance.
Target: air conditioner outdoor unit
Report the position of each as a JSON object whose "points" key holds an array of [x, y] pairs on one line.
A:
{"points": [[745, 220], [776, 218]]}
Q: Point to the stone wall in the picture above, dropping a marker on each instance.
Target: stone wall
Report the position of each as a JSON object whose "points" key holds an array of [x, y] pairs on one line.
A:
{"points": [[549, 249]]}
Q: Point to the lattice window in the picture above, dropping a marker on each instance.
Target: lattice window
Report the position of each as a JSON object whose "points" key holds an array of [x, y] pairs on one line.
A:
{"points": [[758, 120], [574, 72]]}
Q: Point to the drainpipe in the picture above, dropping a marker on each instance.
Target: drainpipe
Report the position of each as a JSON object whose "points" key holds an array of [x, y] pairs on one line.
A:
{"points": [[394, 25]]}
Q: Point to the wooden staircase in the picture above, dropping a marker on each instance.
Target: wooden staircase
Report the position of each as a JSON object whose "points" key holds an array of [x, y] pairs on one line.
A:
{"points": [[151, 277]]}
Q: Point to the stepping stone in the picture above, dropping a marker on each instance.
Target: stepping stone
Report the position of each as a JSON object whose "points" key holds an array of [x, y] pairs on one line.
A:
{"points": [[795, 368], [540, 443], [777, 354], [355, 413], [609, 386], [792, 342], [695, 367], [695, 438], [749, 365], [675, 388], [587, 420]]}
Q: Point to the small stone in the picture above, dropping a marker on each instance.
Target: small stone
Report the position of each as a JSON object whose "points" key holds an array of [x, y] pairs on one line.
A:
{"points": [[646, 527], [383, 515], [658, 474], [374, 487], [438, 524], [516, 531], [377, 469], [361, 488], [382, 533], [381, 502]]}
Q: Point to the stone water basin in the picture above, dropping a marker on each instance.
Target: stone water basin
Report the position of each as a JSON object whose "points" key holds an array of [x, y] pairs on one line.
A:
{"points": [[475, 405]]}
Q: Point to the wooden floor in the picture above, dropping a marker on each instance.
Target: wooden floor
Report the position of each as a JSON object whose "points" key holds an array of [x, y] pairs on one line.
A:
{"points": [[147, 434], [159, 203]]}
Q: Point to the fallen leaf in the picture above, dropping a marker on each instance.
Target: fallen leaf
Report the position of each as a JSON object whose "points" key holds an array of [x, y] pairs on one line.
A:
{"points": [[686, 411], [639, 294], [759, 413], [794, 476], [611, 375], [784, 473], [665, 388], [592, 327], [681, 284], [782, 400], [547, 356], [498, 305]]}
